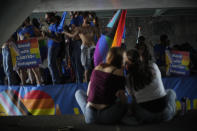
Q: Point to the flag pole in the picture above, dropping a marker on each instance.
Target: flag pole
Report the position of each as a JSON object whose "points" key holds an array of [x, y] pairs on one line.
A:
{"points": [[138, 34]]}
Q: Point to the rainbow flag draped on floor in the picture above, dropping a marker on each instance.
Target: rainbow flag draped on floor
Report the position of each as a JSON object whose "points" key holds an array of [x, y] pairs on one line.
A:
{"points": [[111, 38]]}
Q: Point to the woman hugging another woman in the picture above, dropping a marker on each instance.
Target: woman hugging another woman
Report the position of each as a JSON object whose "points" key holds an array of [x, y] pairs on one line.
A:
{"points": [[151, 102], [105, 101]]}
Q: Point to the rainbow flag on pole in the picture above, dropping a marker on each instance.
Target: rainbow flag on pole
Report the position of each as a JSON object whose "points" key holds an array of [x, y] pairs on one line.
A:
{"points": [[112, 37]]}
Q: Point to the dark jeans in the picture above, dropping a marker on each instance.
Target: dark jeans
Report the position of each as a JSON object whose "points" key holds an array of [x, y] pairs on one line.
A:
{"points": [[8, 67], [141, 115], [52, 63], [2, 75], [166, 115], [76, 60], [109, 115]]}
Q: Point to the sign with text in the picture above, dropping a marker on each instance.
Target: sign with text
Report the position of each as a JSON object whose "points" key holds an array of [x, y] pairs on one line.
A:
{"points": [[177, 62], [29, 54]]}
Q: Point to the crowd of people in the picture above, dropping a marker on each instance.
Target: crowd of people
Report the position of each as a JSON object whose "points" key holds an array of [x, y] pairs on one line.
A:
{"points": [[158, 52], [69, 50]]}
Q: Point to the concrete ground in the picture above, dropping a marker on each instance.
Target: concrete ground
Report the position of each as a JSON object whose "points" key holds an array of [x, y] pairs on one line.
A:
{"points": [[187, 122]]}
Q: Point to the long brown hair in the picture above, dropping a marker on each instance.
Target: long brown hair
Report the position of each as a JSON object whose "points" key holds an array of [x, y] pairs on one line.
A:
{"points": [[114, 57], [140, 72]]}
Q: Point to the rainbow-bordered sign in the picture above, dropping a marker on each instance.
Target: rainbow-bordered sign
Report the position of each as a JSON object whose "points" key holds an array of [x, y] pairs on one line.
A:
{"points": [[29, 55], [177, 62]]}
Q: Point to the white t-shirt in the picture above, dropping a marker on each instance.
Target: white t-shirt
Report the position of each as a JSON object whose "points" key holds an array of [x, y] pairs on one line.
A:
{"points": [[153, 91]]}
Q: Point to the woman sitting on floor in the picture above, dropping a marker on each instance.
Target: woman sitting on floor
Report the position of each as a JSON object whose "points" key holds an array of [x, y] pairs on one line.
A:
{"points": [[105, 101], [151, 102]]}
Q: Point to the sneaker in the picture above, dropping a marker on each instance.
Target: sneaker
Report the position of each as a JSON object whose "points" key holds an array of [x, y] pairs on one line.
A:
{"points": [[42, 84]]}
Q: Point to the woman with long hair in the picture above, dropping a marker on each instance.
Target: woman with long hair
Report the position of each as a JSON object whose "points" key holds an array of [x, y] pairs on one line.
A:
{"points": [[151, 102], [105, 101]]}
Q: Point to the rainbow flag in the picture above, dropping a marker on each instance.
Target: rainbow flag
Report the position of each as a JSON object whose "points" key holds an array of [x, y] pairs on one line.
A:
{"points": [[120, 30], [112, 37], [39, 103], [11, 103], [34, 102]]}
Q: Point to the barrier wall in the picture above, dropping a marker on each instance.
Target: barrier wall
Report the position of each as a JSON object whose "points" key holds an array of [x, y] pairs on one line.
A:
{"points": [[60, 99], [45, 100], [184, 87]]}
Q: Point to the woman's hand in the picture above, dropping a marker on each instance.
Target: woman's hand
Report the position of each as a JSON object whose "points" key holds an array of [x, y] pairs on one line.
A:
{"points": [[121, 95]]}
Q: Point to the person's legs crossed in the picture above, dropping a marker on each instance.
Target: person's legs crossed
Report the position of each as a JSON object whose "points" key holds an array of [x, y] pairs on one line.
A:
{"points": [[81, 99], [170, 110], [112, 114], [89, 112]]}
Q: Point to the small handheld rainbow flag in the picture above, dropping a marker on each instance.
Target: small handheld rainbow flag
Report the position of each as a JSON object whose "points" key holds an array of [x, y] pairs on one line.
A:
{"points": [[112, 37]]}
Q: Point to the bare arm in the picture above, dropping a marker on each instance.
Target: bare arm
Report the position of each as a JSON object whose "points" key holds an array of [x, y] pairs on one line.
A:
{"points": [[73, 34], [57, 37], [88, 88], [36, 31]]}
